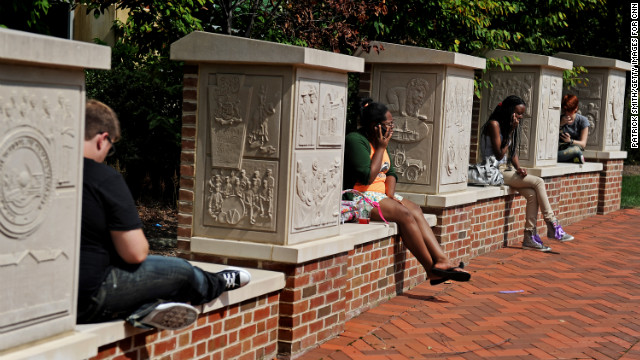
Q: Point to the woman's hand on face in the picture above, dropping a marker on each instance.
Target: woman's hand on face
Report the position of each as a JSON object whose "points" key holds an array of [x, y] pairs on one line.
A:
{"points": [[522, 172], [514, 121], [382, 139]]}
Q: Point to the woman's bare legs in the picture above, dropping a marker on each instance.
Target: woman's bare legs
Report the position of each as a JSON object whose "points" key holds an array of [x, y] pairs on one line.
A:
{"points": [[416, 233]]}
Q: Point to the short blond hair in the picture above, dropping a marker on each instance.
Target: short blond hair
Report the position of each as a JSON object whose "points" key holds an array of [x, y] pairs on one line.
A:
{"points": [[100, 118]]}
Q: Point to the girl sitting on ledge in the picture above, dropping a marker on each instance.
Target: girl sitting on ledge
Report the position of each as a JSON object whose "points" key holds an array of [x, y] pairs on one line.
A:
{"points": [[574, 129], [499, 137], [369, 169]]}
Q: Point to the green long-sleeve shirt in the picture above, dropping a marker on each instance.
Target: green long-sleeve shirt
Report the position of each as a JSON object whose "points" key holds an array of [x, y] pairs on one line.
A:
{"points": [[357, 160]]}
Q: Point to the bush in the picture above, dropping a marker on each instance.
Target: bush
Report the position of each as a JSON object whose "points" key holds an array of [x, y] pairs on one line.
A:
{"points": [[147, 96]]}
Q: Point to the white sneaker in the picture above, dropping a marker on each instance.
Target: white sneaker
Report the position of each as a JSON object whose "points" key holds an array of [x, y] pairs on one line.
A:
{"points": [[235, 277], [171, 316]]}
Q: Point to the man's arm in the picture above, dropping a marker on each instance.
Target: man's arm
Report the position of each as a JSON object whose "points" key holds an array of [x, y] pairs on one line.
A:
{"points": [[131, 245]]}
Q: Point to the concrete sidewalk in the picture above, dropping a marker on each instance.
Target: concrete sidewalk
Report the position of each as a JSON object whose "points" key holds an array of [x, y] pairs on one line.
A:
{"points": [[580, 301]]}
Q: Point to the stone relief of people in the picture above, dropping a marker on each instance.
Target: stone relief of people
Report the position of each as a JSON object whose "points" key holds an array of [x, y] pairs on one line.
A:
{"points": [[407, 101], [314, 190], [332, 110], [307, 114], [236, 197], [259, 135]]}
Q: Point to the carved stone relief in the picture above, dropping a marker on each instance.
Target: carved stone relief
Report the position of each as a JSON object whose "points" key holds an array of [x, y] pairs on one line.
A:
{"points": [[410, 98], [548, 122], [615, 108], [264, 126], [243, 198], [229, 103], [520, 84], [38, 152], [457, 129], [317, 190], [409, 169], [592, 89], [332, 114], [592, 111], [308, 109], [590, 94], [244, 113]]}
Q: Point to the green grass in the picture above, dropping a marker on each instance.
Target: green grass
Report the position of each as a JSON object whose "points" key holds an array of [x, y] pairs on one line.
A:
{"points": [[630, 191]]}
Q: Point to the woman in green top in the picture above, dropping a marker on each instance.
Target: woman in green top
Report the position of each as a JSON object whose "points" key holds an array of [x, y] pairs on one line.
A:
{"points": [[369, 170]]}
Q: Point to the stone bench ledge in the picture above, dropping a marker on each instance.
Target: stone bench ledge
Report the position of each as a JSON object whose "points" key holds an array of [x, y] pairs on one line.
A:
{"points": [[71, 345], [351, 234], [604, 155], [262, 283], [565, 169], [468, 196]]}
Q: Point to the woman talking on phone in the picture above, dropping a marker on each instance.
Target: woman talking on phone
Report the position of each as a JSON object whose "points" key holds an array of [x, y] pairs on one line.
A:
{"points": [[499, 137], [369, 169]]}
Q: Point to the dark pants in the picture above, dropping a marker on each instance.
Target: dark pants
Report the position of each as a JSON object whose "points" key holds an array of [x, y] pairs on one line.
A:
{"points": [[136, 290]]}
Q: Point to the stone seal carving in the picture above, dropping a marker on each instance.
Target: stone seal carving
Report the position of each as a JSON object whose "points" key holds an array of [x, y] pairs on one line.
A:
{"points": [[26, 182]]}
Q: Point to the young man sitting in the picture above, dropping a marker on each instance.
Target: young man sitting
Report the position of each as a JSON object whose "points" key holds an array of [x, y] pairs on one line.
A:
{"points": [[118, 279]]}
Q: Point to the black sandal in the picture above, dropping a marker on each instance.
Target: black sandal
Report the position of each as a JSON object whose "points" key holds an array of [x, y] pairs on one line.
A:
{"points": [[451, 274]]}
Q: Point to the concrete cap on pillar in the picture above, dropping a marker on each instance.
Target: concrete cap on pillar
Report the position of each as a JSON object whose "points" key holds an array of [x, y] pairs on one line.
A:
{"points": [[203, 47], [415, 55], [594, 61], [527, 59], [26, 48]]}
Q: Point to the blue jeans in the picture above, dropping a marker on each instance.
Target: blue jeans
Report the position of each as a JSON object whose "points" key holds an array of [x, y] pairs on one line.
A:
{"points": [[568, 153], [136, 289]]}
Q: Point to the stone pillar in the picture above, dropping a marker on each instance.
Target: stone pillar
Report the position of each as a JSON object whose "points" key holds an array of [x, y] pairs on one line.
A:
{"points": [[430, 94], [42, 106], [537, 79], [269, 139], [601, 101]]}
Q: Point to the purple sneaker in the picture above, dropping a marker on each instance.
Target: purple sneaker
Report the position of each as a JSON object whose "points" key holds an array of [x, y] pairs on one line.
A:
{"points": [[532, 241], [555, 231]]}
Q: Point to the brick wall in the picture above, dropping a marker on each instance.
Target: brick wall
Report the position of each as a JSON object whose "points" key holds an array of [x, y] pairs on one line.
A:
{"points": [[475, 124], [242, 331], [187, 159], [321, 295], [610, 186]]}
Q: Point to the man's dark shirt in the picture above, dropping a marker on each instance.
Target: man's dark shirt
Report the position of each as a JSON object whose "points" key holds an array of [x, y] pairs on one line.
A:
{"points": [[107, 205]]}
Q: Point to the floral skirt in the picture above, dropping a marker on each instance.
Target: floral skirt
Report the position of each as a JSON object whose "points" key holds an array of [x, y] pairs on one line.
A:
{"points": [[375, 196]]}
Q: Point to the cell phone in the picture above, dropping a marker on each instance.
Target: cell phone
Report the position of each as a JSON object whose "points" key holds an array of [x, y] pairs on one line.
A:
{"points": [[383, 128]]}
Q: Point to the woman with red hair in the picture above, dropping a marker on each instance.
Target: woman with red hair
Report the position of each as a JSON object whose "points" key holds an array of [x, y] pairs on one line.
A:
{"points": [[574, 129]]}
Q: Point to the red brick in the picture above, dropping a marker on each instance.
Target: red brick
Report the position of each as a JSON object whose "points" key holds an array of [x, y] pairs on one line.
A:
{"points": [[232, 351], [163, 347], [232, 323]]}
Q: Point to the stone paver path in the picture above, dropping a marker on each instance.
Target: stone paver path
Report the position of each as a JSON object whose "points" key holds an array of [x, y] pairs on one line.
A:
{"points": [[581, 301]]}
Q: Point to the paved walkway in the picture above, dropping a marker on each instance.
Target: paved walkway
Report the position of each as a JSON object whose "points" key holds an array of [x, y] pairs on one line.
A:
{"points": [[581, 301]]}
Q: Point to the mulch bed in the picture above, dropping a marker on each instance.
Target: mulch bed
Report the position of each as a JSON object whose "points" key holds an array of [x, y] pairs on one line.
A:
{"points": [[160, 225]]}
